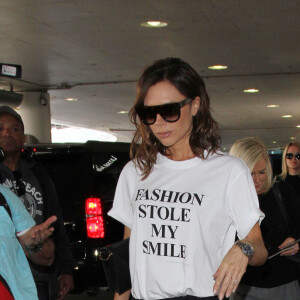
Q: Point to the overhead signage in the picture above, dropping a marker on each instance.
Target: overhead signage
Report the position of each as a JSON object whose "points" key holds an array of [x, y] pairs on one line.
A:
{"points": [[9, 70]]}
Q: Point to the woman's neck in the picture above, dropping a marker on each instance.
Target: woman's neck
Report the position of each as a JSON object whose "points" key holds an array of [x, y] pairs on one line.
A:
{"points": [[294, 172], [180, 153], [293, 176]]}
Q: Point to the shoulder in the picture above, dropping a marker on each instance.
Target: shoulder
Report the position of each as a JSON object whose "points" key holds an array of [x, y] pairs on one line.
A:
{"points": [[227, 161], [6, 192], [11, 198], [36, 166], [131, 169], [128, 174], [270, 194], [39, 170]]}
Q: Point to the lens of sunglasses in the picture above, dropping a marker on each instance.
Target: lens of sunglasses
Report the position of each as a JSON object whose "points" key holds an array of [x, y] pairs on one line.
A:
{"points": [[170, 112], [150, 115], [291, 155]]}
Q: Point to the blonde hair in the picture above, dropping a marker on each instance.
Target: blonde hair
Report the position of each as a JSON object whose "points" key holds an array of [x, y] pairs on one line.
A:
{"points": [[285, 170], [251, 150]]}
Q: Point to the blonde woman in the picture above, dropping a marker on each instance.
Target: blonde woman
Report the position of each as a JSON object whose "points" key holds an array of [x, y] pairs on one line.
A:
{"points": [[277, 278], [291, 165], [289, 183]]}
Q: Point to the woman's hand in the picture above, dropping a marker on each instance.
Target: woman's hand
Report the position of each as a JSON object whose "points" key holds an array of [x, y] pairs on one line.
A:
{"points": [[230, 272], [292, 251], [234, 264]]}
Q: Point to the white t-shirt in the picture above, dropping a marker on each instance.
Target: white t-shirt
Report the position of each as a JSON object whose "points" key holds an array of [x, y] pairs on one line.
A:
{"points": [[183, 220]]}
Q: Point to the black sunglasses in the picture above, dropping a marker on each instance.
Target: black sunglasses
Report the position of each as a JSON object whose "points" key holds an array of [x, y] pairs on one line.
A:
{"points": [[169, 112], [291, 155], [20, 186]]}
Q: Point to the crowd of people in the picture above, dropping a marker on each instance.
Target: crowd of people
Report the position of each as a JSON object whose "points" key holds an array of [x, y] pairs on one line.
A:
{"points": [[202, 224], [278, 277]]}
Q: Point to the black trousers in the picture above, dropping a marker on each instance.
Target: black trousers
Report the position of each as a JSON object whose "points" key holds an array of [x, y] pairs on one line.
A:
{"points": [[43, 290]]}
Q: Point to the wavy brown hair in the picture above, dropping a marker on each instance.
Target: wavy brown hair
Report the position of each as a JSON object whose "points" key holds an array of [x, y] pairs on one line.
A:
{"points": [[205, 132]]}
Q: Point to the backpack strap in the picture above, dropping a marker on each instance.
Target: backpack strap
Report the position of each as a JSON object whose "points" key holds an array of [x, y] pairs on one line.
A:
{"points": [[5, 205]]}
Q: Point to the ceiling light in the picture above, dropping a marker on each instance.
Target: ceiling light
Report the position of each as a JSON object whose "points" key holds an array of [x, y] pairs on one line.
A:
{"points": [[274, 142], [218, 67], [287, 116], [292, 138], [273, 105], [251, 91], [154, 24], [71, 99], [298, 126], [123, 112]]}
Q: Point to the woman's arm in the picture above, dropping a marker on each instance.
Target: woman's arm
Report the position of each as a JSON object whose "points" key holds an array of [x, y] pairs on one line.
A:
{"points": [[125, 295], [127, 232], [234, 264], [254, 237]]}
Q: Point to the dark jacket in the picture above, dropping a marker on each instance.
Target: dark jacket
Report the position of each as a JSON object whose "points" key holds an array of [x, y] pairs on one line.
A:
{"points": [[290, 189], [278, 270], [63, 252]]}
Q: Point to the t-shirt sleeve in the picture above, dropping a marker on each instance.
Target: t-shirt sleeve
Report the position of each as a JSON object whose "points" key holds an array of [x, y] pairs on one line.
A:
{"points": [[243, 203], [20, 216], [122, 209]]}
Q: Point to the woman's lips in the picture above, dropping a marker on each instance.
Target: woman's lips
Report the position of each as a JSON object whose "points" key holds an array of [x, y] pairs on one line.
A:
{"points": [[163, 135]]}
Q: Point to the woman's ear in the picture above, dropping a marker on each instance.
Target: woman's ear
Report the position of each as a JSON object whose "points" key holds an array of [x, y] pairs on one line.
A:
{"points": [[195, 105]]}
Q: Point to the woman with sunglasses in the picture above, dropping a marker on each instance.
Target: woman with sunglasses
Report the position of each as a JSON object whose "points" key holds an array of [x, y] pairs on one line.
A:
{"points": [[291, 165], [181, 199], [277, 278], [289, 183]]}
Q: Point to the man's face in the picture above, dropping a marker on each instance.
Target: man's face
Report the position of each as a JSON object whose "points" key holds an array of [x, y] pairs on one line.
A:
{"points": [[12, 136]]}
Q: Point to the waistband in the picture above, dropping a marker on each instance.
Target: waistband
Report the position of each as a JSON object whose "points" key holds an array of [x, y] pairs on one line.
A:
{"points": [[186, 298]]}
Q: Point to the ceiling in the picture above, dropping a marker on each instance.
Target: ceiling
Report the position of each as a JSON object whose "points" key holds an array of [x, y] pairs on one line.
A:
{"points": [[95, 50]]}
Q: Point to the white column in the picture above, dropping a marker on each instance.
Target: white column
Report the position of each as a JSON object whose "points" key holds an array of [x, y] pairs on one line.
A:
{"points": [[35, 112]]}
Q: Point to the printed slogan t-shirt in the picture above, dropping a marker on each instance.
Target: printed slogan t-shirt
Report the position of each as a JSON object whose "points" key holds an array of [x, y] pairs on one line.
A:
{"points": [[183, 220]]}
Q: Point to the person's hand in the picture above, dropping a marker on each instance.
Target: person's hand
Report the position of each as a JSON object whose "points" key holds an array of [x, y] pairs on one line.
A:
{"points": [[66, 284], [39, 233], [291, 251], [230, 272]]}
